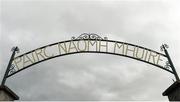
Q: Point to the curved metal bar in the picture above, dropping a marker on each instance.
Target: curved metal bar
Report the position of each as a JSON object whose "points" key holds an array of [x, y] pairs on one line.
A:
{"points": [[92, 40], [91, 52]]}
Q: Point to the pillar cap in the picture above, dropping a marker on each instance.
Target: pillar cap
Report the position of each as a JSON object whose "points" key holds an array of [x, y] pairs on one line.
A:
{"points": [[9, 92], [171, 88]]}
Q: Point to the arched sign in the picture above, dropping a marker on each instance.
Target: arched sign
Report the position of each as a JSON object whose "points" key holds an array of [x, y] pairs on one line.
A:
{"points": [[91, 43]]}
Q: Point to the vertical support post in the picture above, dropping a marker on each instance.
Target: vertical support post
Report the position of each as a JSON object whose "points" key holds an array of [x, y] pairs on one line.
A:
{"points": [[7, 94], [170, 62], [173, 92], [14, 49]]}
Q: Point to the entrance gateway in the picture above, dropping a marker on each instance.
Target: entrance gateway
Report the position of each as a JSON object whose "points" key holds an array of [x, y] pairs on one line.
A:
{"points": [[90, 43]]}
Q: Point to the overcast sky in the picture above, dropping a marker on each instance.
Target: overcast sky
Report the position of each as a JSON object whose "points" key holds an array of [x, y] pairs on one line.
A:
{"points": [[30, 24]]}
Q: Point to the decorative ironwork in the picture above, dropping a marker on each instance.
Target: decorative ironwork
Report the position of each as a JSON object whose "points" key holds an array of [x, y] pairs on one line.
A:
{"points": [[167, 65], [89, 36], [12, 69], [15, 70], [16, 49], [163, 47]]}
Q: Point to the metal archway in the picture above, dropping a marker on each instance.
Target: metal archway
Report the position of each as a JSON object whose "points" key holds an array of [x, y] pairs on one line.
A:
{"points": [[89, 43]]}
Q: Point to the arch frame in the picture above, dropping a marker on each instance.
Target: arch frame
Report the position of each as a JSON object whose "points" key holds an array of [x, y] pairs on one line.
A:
{"points": [[90, 52], [10, 71]]}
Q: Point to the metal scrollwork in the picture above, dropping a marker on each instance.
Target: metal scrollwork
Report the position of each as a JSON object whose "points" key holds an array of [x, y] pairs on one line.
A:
{"points": [[15, 49], [164, 46], [12, 69], [89, 36], [167, 65], [72, 38]]}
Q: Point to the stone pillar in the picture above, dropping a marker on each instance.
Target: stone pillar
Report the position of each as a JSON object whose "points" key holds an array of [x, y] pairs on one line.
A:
{"points": [[7, 94], [173, 92]]}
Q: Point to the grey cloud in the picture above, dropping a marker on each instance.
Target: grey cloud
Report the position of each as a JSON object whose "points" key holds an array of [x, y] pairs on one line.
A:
{"points": [[32, 24]]}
